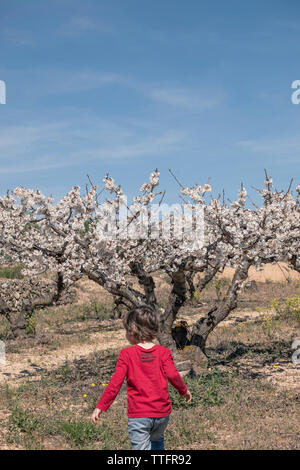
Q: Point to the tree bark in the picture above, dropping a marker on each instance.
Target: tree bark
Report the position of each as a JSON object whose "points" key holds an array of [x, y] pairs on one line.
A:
{"points": [[219, 312], [176, 299], [147, 282], [190, 280], [17, 323], [125, 293], [19, 319]]}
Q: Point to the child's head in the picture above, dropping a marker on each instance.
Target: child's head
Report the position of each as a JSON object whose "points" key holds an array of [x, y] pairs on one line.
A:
{"points": [[141, 324]]}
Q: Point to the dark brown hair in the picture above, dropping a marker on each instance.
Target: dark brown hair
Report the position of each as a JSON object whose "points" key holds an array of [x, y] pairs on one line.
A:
{"points": [[141, 323]]}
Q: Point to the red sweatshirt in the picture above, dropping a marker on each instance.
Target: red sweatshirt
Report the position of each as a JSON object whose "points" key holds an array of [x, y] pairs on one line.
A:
{"points": [[147, 371]]}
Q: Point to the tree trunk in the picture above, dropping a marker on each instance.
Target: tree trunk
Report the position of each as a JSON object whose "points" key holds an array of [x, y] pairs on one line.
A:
{"points": [[17, 323], [16, 319], [176, 299], [219, 312], [20, 320], [190, 280]]}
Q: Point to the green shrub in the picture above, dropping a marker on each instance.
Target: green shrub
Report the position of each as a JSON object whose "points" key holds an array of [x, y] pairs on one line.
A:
{"points": [[221, 284], [207, 390], [80, 433], [197, 295], [99, 311], [22, 420], [30, 324], [288, 309], [11, 272]]}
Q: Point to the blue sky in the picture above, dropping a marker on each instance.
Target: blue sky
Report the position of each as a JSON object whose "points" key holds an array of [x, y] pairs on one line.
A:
{"points": [[124, 87]]}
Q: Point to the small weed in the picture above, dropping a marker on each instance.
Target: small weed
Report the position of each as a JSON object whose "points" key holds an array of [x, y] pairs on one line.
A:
{"points": [[221, 284], [269, 325], [99, 311], [288, 309], [206, 390], [22, 420], [30, 323], [80, 433], [197, 296], [11, 272]]}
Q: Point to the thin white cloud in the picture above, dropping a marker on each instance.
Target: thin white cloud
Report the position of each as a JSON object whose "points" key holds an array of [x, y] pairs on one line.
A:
{"points": [[276, 146], [77, 25], [25, 168], [70, 82], [186, 98], [51, 81], [17, 37], [40, 147], [275, 151], [59, 81], [20, 138]]}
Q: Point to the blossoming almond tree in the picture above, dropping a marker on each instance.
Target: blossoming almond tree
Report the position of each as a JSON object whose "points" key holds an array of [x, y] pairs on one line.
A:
{"points": [[80, 236], [25, 238], [253, 237]]}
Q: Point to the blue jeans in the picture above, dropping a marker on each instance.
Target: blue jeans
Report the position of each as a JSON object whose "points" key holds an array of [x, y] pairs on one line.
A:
{"points": [[147, 433]]}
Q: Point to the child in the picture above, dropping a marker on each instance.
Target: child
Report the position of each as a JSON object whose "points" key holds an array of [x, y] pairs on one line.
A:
{"points": [[146, 366]]}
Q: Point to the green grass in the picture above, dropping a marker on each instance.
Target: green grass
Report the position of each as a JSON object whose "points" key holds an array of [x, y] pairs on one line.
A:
{"points": [[227, 409], [11, 272], [207, 390], [233, 405], [80, 433], [288, 308], [23, 420]]}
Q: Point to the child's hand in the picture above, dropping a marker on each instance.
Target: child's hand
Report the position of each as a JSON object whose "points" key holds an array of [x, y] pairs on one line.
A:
{"points": [[95, 415], [188, 396]]}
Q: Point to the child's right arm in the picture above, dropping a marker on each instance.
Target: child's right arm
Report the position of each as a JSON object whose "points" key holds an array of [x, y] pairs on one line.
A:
{"points": [[174, 377], [114, 385]]}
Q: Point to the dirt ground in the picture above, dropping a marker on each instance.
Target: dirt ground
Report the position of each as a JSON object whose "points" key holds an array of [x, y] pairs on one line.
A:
{"points": [[252, 342], [31, 361], [277, 272]]}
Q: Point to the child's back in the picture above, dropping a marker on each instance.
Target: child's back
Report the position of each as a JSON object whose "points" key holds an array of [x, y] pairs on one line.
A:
{"points": [[146, 370]]}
